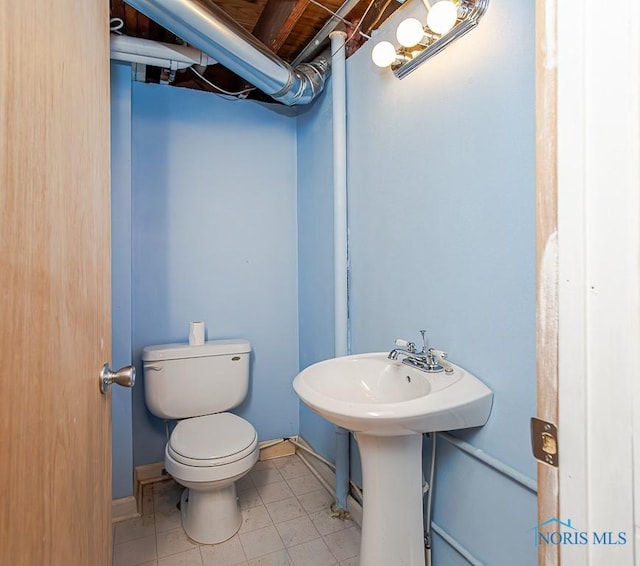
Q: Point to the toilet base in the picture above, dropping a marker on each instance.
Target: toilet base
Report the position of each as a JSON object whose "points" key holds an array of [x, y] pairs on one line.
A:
{"points": [[210, 517]]}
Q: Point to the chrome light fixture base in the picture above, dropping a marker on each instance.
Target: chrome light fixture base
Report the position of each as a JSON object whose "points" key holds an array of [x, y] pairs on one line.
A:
{"points": [[469, 14]]}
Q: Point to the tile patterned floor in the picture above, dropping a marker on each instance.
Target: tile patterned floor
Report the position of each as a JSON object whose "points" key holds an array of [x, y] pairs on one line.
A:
{"points": [[286, 522]]}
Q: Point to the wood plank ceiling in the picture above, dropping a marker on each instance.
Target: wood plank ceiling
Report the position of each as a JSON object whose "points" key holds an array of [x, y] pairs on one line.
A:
{"points": [[285, 26]]}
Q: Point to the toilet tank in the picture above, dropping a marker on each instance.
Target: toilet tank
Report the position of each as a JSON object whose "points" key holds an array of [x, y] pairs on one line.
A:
{"points": [[182, 381]]}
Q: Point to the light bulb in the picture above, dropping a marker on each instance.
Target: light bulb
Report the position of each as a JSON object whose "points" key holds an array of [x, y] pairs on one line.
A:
{"points": [[383, 54], [410, 32], [442, 16]]}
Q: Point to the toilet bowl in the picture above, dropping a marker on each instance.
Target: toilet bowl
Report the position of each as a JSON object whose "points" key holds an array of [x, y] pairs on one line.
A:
{"points": [[207, 455], [209, 448]]}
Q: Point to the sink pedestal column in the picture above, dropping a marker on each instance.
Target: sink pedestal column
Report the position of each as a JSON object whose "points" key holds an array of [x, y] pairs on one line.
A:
{"points": [[392, 521]]}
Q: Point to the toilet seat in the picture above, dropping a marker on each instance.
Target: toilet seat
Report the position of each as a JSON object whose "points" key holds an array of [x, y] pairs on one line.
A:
{"points": [[212, 440]]}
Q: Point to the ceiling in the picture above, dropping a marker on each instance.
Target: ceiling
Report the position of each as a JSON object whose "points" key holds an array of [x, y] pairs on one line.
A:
{"points": [[286, 27]]}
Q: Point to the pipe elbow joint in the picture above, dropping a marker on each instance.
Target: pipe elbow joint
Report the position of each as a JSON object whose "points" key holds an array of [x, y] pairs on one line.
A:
{"points": [[307, 82]]}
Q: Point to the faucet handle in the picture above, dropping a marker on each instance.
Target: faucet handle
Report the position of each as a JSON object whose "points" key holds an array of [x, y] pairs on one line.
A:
{"points": [[424, 340], [410, 346], [441, 358], [441, 355]]}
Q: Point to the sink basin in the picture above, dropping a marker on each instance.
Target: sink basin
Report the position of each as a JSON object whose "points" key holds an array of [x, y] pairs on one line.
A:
{"points": [[388, 405], [369, 393]]}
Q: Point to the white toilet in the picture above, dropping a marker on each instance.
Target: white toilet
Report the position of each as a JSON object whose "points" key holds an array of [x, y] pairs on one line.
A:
{"points": [[209, 450]]}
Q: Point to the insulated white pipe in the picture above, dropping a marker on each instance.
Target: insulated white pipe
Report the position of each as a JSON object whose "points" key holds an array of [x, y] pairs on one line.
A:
{"points": [[339, 99], [326, 462], [340, 235], [149, 52], [151, 61], [492, 462]]}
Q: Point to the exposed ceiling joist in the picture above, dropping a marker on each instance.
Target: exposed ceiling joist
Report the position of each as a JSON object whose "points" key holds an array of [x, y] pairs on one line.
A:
{"points": [[277, 20], [372, 20], [292, 29]]}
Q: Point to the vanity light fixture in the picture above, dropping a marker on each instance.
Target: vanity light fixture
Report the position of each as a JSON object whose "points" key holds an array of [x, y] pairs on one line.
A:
{"points": [[384, 54], [447, 20], [442, 16], [409, 33]]}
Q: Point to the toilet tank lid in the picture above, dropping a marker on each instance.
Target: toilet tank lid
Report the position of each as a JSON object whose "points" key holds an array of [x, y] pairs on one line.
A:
{"points": [[180, 351]]}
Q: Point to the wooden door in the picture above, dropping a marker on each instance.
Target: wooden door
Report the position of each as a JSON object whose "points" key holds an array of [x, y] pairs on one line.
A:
{"points": [[547, 256], [55, 328], [589, 276]]}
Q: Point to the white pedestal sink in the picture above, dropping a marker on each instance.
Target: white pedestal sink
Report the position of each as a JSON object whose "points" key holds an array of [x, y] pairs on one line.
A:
{"points": [[389, 405]]}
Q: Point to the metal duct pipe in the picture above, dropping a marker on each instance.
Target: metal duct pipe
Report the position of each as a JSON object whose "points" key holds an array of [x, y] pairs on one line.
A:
{"points": [[205, 26]]}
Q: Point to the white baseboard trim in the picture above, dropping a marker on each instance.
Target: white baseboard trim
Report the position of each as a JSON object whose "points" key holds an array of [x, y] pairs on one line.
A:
{"points": [[123, 509]]}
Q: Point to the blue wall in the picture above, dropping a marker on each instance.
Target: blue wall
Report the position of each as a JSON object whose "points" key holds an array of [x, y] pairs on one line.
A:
{"points": [[442, 237], [214, 239], [122, 441], [442, 223], [315, 253]]}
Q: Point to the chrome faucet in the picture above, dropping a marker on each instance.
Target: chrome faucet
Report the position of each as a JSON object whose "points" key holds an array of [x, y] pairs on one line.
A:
{"points": [[409, 348], [429, 360]]}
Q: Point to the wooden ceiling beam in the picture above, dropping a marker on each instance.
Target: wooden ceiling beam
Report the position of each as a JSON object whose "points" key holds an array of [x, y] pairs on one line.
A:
{"points": [[142, 26], [130, 21], [277, 20], [117, 9], [373, 17]]}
